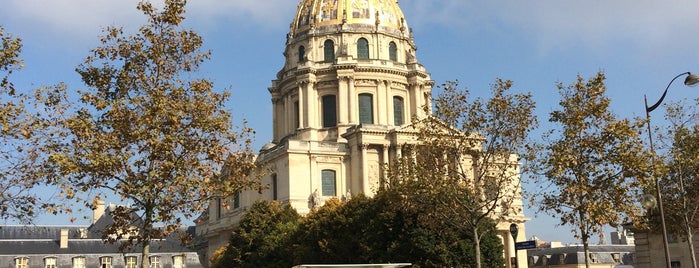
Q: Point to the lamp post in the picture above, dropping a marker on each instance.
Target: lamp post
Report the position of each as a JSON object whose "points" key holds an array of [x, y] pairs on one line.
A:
{"points": [[690, 80]]}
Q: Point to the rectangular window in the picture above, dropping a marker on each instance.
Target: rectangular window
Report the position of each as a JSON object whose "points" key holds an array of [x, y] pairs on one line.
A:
{"points": [[329, 111], [676, 264], [297, 116], [366, 109], [328, 182], [274, 187], [219, 207], [22, 262], [105, 262], [50, 262], [79, 262], [131, 261], [178, 262], [397, 111], [155, 262], [236, 200]]}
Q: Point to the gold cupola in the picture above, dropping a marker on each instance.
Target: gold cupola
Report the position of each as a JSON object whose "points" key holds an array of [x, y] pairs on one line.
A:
{"points": [[376, 15]]}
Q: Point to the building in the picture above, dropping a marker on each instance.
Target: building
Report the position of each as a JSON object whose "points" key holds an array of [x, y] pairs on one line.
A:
{"points": [[342, 105], [601, 256], [650, 251], [34, 246], [621, 253]]}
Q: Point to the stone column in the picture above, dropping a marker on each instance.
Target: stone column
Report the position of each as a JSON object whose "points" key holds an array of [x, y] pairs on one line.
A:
{"points": [[342, 99], [302, 105], [381, 102], [352, 103], [365, 169]]}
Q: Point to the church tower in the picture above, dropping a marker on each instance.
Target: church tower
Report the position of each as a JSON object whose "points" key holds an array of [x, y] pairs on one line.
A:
{"points": [[350, 82], [342, 104]]}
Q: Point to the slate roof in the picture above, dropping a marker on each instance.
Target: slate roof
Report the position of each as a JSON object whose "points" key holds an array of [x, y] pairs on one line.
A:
{"points": [[34, 239], [576, 254], [81, 246]]}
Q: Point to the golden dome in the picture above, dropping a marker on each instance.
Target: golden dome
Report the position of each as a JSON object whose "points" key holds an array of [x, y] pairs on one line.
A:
{"points": [[379, 13]]}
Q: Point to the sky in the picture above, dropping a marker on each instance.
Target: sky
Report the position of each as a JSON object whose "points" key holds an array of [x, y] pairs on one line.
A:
{"points": [[639, 44]]}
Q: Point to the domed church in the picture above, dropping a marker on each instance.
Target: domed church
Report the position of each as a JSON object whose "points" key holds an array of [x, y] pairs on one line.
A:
{"points": [[342, 105]]}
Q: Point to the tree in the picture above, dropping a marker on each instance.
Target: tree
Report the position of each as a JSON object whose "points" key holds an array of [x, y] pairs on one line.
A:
{"points": [[466, 157], [262, 238], [146, 131], [680, 183], [24, 130], [590, 164], [361, 230]]}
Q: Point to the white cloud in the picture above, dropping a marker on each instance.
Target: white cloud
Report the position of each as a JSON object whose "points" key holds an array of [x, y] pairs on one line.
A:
{"points": [[551, 23], [83, 19]]}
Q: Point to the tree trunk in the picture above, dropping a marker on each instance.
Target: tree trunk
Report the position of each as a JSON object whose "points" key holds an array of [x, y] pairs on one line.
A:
{"points": [[145, 255], [477, 239], [690, 243], [586, 248]]}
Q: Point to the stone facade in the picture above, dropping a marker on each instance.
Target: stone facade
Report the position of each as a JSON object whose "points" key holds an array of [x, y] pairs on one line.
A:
{"points": [[342, 105], [650, 252]]}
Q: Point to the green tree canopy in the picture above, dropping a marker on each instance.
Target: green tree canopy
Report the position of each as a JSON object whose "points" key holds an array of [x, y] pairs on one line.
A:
{"points": [[362, 230]]}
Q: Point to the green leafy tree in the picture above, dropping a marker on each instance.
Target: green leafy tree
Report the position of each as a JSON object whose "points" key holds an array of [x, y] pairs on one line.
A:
{"points": [[147, 131], [591, 162], [25, 129], [466, 158], [680, 183], [362, 230], [262, 238]]}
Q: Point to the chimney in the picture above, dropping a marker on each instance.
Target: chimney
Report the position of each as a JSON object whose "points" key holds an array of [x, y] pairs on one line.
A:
{"points": [[64, 238], [98, 210]]}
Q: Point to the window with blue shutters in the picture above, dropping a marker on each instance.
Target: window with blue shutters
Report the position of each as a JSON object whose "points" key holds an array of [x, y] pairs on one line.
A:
{"points": [[329, 111], [397, 111], [366, 109], [328, 182], [362, 49]]}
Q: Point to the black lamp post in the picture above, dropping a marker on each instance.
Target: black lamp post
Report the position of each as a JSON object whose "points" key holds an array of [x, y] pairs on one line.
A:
{"points": [[690, 80]]}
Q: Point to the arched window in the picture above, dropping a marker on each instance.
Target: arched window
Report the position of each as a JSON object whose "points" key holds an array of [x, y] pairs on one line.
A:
{"points": [[397, 111], [328, 182], [393, 51], [366, 109], [302, 53], [329, 111], [329, 51], [362, 49]]}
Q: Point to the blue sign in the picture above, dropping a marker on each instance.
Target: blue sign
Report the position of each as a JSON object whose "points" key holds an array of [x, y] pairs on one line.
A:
{"points": [[525, 245]]}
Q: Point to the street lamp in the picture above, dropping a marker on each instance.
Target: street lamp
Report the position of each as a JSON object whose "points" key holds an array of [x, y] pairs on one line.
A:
{"points": [[690, 80]]}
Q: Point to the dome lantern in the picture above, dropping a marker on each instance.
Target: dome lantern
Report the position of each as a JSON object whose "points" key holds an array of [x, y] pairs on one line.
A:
{"points": [[372, 15]]}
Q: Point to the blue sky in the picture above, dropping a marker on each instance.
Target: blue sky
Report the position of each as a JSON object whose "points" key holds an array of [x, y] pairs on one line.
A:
{"points": [[640, 45]]}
